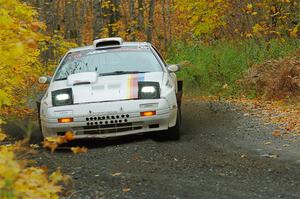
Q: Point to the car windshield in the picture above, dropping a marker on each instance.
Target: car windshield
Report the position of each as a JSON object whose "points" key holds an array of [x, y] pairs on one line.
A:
{"points": [[109, 62]]}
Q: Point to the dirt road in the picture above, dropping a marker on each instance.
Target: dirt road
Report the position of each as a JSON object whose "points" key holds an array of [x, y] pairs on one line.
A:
{"points": [[222, 154]]}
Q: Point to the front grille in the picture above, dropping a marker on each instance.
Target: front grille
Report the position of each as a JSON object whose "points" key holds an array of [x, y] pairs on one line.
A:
{"points": [[107, 119], [109, 128]]}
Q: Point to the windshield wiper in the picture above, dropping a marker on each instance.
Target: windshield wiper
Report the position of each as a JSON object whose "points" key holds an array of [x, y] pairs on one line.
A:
{"points": [[122, 73], [60, 79]]}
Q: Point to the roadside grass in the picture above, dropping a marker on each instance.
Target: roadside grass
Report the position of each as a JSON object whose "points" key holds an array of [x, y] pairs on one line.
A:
{"points": [[216, 69], [261, 76]]}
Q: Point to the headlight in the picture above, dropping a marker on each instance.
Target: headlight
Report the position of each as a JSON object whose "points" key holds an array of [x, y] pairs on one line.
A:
{"points": [[62, 97], [149, 90]]}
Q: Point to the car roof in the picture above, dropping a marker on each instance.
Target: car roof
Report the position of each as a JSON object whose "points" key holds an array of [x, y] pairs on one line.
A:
{"points": [[125, 44]]}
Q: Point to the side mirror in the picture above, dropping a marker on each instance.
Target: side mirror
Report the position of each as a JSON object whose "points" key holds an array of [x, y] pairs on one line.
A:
{"points": [[45, 80], [173, 68]]}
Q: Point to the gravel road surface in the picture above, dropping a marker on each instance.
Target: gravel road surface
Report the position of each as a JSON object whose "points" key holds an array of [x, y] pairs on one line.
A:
{"points": [[223, 153]]}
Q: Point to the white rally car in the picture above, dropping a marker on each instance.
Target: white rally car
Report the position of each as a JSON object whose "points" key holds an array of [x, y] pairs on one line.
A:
{"points": [[112, 88]]}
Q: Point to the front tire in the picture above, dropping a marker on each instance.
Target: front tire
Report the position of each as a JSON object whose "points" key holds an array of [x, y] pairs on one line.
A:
{"points": [[173, 133], [37, 135]]}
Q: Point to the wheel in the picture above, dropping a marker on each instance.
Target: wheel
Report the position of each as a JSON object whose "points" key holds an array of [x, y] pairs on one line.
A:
{"points": [[36, 136], [172, 133]]}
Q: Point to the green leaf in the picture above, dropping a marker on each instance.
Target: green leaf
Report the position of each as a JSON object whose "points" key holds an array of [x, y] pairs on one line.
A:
{"points": [[4, 99]]}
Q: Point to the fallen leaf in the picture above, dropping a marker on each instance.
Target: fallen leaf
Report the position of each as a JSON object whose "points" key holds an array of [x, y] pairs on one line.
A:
{"points": [[44, 168], [115, 174], [273, 156], [69, 136], [126, 189], [243, 156], [56, 176], [2, 122], [77, 150], [270, 155], [2, 136], [34, 146], [136, 158], [56, 139], [50, 145], [268, 143], [276, 133]]}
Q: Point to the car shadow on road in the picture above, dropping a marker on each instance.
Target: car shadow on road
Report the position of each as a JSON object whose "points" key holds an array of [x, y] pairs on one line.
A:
{"points": [[100, 143]]}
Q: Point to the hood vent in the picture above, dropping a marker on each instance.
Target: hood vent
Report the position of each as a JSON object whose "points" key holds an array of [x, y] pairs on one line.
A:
{"points": [[108, 42], [82, 78]]}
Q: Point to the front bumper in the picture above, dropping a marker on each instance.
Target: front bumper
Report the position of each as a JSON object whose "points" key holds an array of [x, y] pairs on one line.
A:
{"points": [[109, 119]]}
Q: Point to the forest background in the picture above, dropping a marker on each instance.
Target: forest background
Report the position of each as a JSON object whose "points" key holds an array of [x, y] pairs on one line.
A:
{"points": [[226, 48], [215, 41]]}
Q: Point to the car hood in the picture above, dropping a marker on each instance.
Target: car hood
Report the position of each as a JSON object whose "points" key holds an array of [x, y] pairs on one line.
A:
{"points": [[108, 88]]}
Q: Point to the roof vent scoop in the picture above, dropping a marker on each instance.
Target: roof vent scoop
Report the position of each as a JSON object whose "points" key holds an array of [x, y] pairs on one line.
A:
{"points": [[108, 42]]}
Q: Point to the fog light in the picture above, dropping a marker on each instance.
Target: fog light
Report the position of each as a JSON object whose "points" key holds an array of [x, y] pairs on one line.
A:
{"points": [[148, 113], [65, 120]]}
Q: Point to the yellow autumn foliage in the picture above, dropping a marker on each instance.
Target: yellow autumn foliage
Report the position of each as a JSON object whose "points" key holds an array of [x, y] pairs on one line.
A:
{"points": [[203, 17], [20, 41], [217, 19], [19, 60], [17, 180], [272, 18]]}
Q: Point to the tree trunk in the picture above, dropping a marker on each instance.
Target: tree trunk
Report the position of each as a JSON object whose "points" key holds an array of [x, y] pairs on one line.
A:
{"points": [[141, 15], [68, 23], [114, 17], [163, 7], [97, 18], [170, 4], [150, 21], [131, 20]]}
